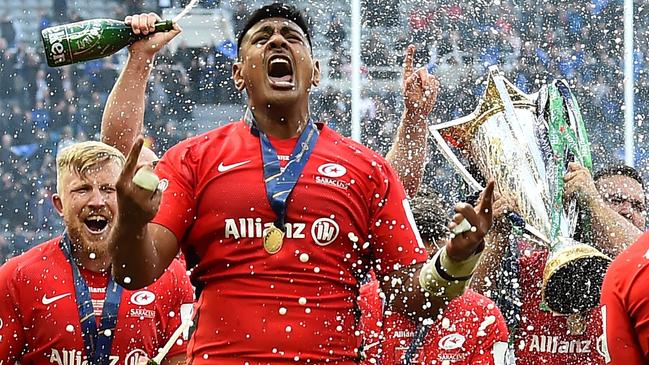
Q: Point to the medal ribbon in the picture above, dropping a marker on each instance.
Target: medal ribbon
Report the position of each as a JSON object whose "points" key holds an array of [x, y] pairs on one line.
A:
{"points": [[97, 343], [415, 344], [280, 184]]}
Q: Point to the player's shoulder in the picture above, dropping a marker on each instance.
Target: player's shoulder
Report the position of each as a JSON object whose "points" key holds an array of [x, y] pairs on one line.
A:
{"points": [[31, 261], [204, 142], [476, 302], [174, 277], [633, 258], [361, 156]]}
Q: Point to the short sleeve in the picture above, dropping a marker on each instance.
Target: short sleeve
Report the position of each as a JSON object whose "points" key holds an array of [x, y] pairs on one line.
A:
{"points": [[394, 234], [11, 328], [177, 207], [181, 301]]}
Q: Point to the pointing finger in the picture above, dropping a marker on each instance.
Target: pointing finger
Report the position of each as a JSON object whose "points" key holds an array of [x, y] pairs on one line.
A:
{"points": [[486, 199], [133, 155], [408, 68]]}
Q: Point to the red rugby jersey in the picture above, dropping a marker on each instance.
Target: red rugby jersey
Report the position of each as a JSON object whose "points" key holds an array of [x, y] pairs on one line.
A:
{"points": [[39, 320], [347, 212], [626, 308], [470, 331], [543, 337]]}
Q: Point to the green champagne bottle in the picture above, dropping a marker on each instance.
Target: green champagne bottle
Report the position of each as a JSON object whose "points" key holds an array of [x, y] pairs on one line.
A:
{"points": [[90, 39]]}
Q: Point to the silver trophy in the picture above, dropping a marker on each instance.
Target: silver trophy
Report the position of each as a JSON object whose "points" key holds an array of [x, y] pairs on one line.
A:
{"points": [[524, 142]]}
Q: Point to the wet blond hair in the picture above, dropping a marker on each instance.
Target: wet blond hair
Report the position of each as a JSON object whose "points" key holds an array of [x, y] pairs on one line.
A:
{"points": [[78, 157]]}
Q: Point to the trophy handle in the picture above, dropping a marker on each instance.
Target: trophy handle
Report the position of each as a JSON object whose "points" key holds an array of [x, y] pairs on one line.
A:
{"points": [[453, 160]]}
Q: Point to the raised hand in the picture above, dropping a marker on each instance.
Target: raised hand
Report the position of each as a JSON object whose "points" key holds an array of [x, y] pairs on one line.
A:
{"points": [[137, 204], [419, 87], [480, 217], [579, 184], [144, 24]]}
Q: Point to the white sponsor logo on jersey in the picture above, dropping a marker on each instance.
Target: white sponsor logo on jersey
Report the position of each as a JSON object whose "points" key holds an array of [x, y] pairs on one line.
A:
{"points": [[332, 170], [96, 290], [142, 297], [557, 345], [224, 168], [451, 342], [76, 357], [324, 231], [402, 334], [50, 300], [142, 313], [254, 228], [332, 182], [133, 357]]}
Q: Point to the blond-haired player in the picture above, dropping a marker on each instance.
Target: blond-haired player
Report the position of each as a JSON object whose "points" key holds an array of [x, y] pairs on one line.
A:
{"points": [[58, 301]]}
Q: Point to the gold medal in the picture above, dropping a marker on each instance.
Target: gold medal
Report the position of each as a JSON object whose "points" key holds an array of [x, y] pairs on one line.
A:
{"points": [[576, 324], [273, 239]]}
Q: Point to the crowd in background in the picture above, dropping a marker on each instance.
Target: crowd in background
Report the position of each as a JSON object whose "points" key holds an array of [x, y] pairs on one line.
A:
{"points": [[42, 108]]}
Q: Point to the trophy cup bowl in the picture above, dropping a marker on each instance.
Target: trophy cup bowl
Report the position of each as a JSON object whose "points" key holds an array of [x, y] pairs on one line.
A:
{"points": [[508, 140]]}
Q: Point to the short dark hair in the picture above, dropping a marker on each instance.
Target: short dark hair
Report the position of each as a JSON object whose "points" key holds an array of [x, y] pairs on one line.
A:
{"points": [[277, 10], [619, 169], [431, 217]]}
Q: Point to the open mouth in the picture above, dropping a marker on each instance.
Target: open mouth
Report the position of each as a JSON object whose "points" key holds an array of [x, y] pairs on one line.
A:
{"points": [[96, 224], [280, 71]]}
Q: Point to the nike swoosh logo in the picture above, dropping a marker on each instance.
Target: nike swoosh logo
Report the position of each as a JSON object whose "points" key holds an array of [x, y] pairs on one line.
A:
{"points": [[48, 301], [224, 168]]}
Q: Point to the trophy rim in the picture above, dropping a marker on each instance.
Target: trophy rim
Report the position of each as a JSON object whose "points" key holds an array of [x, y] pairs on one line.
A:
{"points": [[561, 262]]}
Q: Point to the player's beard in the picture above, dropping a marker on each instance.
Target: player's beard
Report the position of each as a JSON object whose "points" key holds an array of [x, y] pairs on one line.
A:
{"points": [[87, 247]]}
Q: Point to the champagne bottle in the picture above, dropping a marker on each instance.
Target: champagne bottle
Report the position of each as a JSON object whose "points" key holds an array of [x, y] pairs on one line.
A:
{"points": [[90, 39]]}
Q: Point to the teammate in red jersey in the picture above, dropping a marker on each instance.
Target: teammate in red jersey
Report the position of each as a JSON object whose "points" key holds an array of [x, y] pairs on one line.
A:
{"points": [[624, 291], [471, 330], [58, 302], [615, 200], [279, 215]]}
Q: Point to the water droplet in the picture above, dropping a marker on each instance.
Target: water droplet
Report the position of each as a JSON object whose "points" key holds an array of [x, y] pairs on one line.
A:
{"points": [[127, 280], [92, 256], [302, 300], [304, 257], [288, 329], [69, 328], [108, 333], [282, 310]]}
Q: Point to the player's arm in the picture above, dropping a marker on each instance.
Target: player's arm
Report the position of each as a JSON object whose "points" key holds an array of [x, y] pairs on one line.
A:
{"points": [[420, 290], [140, 251], [612, 233], [484, 277], [408, 152], [621, 331], [123, 116], [12, 338]]}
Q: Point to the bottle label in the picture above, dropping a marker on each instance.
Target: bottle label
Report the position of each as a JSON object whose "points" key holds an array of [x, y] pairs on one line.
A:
{"points": [[84, 39], [57, 46], [66, 44]]}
